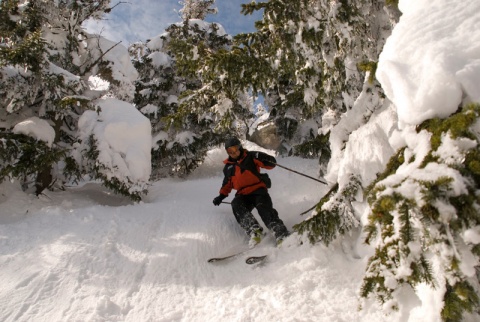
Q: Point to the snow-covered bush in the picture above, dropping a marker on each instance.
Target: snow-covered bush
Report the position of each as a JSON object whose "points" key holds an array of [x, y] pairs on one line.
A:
{"points": [[425, 215], [114, 146], [52, 71]]}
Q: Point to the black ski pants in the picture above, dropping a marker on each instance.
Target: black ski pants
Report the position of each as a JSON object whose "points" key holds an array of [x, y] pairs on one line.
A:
{"points": [[242, 206]]}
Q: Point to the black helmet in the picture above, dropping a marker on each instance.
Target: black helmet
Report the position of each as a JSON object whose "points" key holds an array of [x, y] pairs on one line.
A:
{"points": [[231, 142]]}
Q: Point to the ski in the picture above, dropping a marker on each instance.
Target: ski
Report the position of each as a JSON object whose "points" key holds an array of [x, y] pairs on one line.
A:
{"points": [[233, 254], [255, 259], [218, 259], [222, 258]]}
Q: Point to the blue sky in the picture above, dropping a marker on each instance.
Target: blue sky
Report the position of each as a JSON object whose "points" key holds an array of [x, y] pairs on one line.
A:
{"points": [[140, 20]]}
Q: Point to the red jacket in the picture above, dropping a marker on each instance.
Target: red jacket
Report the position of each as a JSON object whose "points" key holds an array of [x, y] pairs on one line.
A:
{"points": [[239, 173]]}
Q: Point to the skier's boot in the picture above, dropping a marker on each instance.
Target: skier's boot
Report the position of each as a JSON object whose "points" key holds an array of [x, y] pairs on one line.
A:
{"points": [[256, 235], [278, 228], [280, 237]]}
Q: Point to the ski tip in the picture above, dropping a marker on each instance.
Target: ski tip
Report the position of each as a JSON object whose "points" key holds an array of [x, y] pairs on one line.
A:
{"points": [[255, 259]]}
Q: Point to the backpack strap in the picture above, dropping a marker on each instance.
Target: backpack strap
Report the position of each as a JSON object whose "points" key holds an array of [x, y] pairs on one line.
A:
{"points": [[249, 164]]}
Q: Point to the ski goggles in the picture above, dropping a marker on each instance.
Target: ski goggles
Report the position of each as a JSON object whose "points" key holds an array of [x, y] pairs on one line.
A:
{"points": [[233, 149]]}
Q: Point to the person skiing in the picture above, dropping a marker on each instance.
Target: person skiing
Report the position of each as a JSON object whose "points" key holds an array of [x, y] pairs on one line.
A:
{"points": [[241, 173]]}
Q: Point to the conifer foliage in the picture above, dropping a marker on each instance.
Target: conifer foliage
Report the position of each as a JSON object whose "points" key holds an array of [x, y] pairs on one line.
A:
{"points": [[425, 237], [189, 103], [334, 215], [46, 63], [197, 9], [308, 54]]}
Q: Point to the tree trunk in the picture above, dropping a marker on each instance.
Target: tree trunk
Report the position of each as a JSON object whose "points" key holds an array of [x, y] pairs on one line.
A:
{"points": [[44, 179]]}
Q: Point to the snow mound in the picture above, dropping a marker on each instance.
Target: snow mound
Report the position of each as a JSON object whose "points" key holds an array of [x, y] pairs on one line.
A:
{"points": [[425, 68]]}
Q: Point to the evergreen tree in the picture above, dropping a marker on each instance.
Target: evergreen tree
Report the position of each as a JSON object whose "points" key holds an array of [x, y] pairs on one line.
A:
{"points": [[203, 108], [46, 63], [425, 239], [197, 9], [419, 238], [157, 96], [308, 54]]}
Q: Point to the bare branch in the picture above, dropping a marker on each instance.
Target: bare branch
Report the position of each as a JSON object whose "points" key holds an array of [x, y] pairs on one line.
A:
{"points": [[89, 68]]}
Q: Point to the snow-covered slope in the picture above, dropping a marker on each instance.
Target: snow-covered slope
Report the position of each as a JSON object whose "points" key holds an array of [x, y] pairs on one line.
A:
{"points": [[87, 255]]}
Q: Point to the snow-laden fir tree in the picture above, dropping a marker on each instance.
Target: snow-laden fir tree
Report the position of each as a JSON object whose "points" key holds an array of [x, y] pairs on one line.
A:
{"points": [[426, 237], [423, 204], [217, 107], [311, 57], [47, 64], [157, 96], [190, 105], [197, 9]]}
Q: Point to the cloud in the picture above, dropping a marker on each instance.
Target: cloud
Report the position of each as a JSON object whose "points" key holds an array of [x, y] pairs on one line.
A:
{"points": [[140, 20], [136, 21]]}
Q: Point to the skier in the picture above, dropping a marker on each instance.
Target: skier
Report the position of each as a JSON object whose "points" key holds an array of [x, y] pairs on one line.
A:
{"points": [[241, 173]]}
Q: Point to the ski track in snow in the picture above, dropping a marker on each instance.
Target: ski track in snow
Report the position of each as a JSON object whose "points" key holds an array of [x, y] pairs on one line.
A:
{"points": [[87, 255]]}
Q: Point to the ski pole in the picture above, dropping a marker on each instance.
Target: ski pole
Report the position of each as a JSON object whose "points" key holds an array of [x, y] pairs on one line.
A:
{"points": [[281, 166]]}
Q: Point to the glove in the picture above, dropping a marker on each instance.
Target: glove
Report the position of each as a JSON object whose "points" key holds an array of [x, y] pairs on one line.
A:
{"points": [[218, 200], [266, 159]]}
